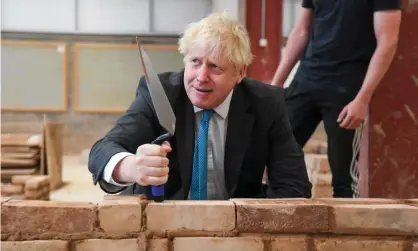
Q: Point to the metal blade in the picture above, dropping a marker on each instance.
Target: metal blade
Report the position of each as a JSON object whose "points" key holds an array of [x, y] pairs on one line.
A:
{"points": [[159, 98]]}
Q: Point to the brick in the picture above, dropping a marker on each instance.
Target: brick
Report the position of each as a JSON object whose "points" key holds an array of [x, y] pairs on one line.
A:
{"points": [[33, 194], [374, 219], [11, 189], [413, 202], [358, 244], [39, 245], [322, 191], [218, 244], [20, 179], [191, 216], [5, 199], [36, 217], [324, 179], [281, 215], [120, 215], [107, 245], [318, 162], [317, 165], [315, 146], [290, 243], [158, 245], [36, 182], [323, 163], [361, 201], [139, 197]]}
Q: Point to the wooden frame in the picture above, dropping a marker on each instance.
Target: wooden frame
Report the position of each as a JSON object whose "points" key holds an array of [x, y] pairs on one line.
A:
{"points": [[64, 71], [103, 46]]}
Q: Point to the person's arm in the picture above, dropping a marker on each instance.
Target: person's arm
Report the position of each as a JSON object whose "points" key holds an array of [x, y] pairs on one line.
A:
{"points": [[387, 19], [137, 126], [295, 45], [386, 26], [286, 168]]}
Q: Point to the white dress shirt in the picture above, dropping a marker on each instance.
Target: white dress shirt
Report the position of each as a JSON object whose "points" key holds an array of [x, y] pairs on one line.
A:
{"points": [[216, 151]]}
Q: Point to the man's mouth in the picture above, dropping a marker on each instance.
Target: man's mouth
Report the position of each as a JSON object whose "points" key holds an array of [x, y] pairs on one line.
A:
{"points": [[203, 90]]}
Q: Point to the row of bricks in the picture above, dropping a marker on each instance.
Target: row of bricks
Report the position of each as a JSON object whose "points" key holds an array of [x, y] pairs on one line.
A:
{"points": [[124, 215], [248, 243], [32, 187]]}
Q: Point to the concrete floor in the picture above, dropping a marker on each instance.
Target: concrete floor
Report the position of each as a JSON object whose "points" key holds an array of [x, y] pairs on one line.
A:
{"points": [[78, 183]]}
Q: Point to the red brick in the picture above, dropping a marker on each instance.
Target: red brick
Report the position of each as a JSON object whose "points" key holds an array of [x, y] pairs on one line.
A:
{"points": [[11, 189], [288, 216], [413, 202], [178, 216], [158, 245], [323, 179], [315, 146], [415, 246], [358, 244], [218, 244], [33, 194], [138, 197], [361, 201], [322, 191], [20, 179], [37, 217], [120, 215], [290, 243], [41, 245], [107, 245], [5, 199], [375, 219], [36, 182]]}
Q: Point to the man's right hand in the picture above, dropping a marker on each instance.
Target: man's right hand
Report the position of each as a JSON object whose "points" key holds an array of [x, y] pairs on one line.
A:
{"points": [[151, 164], [149, 167]]}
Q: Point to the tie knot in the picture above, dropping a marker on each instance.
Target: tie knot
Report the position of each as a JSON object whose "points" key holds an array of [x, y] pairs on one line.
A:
{"points": [[207, 114]]}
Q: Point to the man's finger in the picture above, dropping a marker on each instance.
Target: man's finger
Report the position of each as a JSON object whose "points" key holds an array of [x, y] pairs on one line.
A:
{"points": [[156, 171], [156, 161], [346, 121], [342, 115], [166, 146], [156, 181], [151, 150]]}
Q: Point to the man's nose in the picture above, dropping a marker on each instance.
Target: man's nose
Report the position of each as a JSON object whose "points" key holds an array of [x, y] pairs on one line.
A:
{"points": [[203, 74]]}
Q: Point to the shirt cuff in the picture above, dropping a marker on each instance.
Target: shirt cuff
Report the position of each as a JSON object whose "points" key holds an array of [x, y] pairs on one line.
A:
{"points": [[108, 171]]}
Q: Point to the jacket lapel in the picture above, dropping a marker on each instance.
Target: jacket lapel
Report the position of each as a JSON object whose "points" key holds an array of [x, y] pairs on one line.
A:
{"points": [[238, 137], [185, 131]]}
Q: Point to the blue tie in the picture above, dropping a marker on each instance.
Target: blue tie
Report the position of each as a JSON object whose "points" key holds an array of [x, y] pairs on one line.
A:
{"points": [[199, 175]]}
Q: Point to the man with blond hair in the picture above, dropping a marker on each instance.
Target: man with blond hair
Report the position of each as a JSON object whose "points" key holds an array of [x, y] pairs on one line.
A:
{"points": [[248, 128]]}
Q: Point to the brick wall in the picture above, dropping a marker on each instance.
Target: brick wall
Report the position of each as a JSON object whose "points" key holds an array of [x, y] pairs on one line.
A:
{"points": [[128, 223]]}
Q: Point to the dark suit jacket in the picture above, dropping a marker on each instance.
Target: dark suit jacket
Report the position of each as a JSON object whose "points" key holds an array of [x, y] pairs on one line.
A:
{"points": [[258, 135]]}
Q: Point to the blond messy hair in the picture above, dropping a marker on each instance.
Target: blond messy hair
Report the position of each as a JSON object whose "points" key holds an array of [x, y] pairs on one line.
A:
{"points": [[221, 35]]}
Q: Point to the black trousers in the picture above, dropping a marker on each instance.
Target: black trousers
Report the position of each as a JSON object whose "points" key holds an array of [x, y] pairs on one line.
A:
{"points": [[307, 106]]}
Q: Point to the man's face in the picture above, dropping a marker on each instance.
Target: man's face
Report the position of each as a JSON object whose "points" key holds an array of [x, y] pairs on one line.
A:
{"points": [[209, 80]]}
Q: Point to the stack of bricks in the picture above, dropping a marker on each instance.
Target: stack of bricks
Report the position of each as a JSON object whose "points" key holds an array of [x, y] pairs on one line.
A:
{"points": [[131, 224], [319, 171], [29, 187]]}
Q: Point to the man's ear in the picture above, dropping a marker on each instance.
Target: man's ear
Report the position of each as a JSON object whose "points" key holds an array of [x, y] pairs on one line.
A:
{"points": [[241, 73]]}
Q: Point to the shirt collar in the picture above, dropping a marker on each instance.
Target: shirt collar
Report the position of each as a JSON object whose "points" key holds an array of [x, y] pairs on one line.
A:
{"points": [[223, 109]]}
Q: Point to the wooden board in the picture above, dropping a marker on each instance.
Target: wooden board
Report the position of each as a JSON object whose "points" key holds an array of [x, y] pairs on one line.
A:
{"points": [[106, 75], [34, 76]]}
